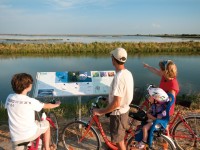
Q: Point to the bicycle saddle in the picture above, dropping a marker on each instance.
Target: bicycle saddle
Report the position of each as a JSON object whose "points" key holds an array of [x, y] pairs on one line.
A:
{"points": [[23, 144]]}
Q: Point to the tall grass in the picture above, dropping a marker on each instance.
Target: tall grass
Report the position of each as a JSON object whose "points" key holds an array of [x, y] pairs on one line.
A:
{"points": [[66, 110], [71, 110], [3, 114], [99, 48], [193, 98]]}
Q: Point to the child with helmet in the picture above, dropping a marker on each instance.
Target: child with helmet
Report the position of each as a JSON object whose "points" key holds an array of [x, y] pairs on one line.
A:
{"points": [[159, 100]]}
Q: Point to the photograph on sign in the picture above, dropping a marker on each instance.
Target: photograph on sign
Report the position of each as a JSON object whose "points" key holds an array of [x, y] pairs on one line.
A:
{"points": [[79, 76], [61, 77], [45, 92]]}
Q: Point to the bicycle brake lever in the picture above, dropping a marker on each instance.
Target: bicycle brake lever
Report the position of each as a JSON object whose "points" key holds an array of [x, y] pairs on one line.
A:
{"points": [[101, 98], [98, 98], [93, 105]]}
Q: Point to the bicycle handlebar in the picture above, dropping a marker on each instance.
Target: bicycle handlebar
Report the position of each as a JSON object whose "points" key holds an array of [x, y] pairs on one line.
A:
{"points": [[51, 101], [95, 104]]}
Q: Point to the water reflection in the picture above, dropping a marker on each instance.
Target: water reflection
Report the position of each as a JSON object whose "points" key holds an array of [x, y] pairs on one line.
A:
{"points": [[188, 73]]}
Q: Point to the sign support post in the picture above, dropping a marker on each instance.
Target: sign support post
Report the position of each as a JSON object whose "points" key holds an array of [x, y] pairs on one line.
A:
{"points": [[79, 106]]}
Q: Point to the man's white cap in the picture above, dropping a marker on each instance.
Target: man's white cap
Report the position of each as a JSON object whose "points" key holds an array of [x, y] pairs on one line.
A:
{"points": [[120, 54]]}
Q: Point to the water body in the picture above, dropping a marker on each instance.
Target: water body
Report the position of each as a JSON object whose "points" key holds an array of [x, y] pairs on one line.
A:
{"points": [[86, 39], [188, 68]]}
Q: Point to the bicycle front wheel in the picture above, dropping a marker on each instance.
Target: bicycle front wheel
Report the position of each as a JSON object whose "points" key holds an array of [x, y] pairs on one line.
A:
{"points": [[53, 127], [186, 134], [77, 136], [159, 142]]}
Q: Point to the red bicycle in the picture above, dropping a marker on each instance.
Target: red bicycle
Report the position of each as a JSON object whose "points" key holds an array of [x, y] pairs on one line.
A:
{"points": [[82, 135], [184, 129]]}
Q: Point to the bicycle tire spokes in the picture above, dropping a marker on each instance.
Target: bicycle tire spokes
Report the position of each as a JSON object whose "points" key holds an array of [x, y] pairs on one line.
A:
{"points": [[186, 134], [159, 142], [76, 135], [85, 132]]}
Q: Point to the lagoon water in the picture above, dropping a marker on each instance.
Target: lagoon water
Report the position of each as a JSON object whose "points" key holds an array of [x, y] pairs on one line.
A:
{"points": [[86, 39], [188, 68]]}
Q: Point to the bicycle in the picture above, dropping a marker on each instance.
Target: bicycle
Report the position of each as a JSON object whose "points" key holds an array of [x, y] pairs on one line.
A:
{"points": [[184, 130], [38, 143], [81, 135]]}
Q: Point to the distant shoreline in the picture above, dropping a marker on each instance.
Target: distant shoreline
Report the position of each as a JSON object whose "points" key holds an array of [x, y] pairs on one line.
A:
{"points": [[42, 40], [113, 35]]}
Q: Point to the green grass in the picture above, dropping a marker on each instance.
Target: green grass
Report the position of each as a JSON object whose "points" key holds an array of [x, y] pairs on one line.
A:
{"points": [[71, 110], [3, 114], [193, 98], [66, 110], [99, 48]]}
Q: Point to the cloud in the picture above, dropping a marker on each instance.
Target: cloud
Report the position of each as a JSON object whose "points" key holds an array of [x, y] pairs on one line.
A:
{"points": [[8, 8], [155, 25], [63, 4]]}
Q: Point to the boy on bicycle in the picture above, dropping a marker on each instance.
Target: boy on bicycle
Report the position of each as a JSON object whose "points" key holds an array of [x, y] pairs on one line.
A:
{"points": [[21, 112], [158, 99]]}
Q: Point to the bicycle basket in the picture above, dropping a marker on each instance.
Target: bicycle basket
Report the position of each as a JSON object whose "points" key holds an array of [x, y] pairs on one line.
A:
{"points": [[140, 115]]}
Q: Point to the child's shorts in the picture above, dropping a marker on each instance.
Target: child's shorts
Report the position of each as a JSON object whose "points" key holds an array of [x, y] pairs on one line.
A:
{"points": [[42, 128]]}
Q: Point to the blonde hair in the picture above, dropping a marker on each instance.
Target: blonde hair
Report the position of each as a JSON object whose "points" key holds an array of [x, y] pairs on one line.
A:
{"points": [[169, 69]]}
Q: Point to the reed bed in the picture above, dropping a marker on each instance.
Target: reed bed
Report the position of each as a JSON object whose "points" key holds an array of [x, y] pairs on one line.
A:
{"points": [[3, 114], [99, 48]]}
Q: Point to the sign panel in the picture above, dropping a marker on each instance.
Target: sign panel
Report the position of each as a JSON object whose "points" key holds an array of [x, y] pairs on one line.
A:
{"points": [[73, 83]]}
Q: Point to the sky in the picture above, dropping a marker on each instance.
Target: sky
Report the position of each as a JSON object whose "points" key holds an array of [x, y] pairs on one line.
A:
{"points": [[100, 17]]}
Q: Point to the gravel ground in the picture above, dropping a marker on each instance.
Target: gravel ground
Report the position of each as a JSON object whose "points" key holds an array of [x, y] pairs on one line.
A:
{"points": [[5, 142]]}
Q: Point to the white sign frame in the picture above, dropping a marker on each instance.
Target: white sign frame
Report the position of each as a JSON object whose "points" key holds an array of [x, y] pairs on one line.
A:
{"points": [[72, 83]]}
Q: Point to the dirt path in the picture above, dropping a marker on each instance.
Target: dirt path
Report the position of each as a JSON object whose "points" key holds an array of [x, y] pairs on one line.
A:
{"points": [[5, 142]]}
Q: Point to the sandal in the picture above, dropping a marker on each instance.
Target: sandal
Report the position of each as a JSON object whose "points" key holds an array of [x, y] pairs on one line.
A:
{"points": [[142, 145]]}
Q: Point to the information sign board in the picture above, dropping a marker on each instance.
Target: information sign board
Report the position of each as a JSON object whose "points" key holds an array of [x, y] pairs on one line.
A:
{"points": [[73, 83]]}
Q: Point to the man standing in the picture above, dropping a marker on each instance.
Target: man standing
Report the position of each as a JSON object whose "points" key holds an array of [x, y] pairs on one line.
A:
{"points": [[120, 97]]}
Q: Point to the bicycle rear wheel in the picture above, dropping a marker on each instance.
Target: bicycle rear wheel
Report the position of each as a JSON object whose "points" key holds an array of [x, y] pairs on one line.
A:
{"points": [[159, 142], [54, 128], [72, 137], [183, 137]]}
